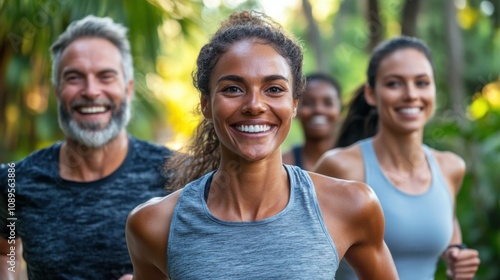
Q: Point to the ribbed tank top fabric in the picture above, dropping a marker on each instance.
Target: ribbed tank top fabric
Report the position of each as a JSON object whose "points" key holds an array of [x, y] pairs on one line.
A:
{"points": [[294, 243], [418, 228]]}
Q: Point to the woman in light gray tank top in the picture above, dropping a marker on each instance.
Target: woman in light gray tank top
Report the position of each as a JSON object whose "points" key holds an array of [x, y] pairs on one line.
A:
{"points": [[416, 185], [243, 214]]}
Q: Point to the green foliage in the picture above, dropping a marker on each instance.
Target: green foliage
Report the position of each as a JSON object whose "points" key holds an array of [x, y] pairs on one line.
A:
{"points": [[478, 142], [28, 107], [478, 203]]}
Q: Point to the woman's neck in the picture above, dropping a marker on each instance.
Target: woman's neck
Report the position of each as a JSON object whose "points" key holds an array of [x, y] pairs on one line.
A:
{"points": [[249, 191], [402, 151]]}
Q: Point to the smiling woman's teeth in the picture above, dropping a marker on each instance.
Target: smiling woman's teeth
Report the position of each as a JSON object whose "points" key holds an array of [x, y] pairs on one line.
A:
{"points": [[317, 120], [253, 128], [409, 110], [92, 110]]}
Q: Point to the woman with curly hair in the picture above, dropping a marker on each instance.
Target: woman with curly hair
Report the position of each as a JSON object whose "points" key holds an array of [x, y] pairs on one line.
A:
{"points": [[240, 213]]}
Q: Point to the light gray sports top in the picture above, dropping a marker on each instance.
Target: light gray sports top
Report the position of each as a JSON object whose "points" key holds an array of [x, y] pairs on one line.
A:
{"points": [[293, 244], [418, 228]]}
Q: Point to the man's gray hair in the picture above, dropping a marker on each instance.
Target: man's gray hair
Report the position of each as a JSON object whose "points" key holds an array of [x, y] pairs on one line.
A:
{"points": [[97, 27]]}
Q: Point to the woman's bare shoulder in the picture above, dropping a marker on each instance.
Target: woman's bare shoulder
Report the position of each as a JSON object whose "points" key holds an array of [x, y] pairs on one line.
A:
{"points": [[344, 163], [148, 225], [156, 206], [350, 209], [449, 160], [355, 196], [147, 231], [452, 166]]}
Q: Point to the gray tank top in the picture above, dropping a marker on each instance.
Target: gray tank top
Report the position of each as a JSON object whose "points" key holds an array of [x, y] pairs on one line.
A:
{"points": [[293, 244], [418, 228]]}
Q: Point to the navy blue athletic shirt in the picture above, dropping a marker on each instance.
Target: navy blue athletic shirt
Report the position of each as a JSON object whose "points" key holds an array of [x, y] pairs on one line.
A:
{"points": [[75, 230]]}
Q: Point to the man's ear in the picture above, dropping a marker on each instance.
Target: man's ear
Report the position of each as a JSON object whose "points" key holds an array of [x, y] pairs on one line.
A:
{"points": [[130, 90], [205, 108], [370, 95]]}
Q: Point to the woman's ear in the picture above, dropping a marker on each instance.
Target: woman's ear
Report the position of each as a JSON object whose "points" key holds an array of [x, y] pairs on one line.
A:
{"points": [[370, 95], [205, 108], [295, 104]]}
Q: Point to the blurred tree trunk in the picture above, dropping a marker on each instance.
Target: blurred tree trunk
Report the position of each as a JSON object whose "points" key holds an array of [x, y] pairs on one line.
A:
{"points": [[409, 18], [496, 14], [314, 37], [374, 24], [455, 58], [4, 52], [346, 9]]}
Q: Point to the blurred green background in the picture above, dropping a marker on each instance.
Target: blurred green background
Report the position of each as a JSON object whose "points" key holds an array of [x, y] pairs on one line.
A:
{"points": [[338, 36]]}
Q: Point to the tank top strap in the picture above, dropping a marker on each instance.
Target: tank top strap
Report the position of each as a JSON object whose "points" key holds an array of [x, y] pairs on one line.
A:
{"points": [[437, 175], [370, 161], [430, 158], [433, 164], [409, 218]]}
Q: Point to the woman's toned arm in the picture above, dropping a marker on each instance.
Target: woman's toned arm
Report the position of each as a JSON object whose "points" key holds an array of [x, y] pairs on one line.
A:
{"points": [[148, 226], [342, 163], [462, 263], [354, 218], [353, 207]]}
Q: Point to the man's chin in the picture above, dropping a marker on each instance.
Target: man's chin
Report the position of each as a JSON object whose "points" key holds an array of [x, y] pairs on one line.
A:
{"points": [[92, 127], [94, 140], [91, 136], [94, 134]]}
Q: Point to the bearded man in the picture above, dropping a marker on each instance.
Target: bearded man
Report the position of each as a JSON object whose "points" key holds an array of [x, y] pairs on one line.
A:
{"points": [[72, 198]]}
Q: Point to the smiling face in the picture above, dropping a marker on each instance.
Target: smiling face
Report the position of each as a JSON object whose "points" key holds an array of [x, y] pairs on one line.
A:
{"points": [[319, 110], [251, 102], [93, 96], [404, 91]]}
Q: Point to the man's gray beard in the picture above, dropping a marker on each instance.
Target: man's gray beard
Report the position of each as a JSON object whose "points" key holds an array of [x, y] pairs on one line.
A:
{"points": [[90, 135]]}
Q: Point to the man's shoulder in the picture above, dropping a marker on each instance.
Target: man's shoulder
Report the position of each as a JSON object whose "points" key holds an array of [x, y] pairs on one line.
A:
{"points": [[38, 159], [149, 157], [42, 163], [149, 149]]}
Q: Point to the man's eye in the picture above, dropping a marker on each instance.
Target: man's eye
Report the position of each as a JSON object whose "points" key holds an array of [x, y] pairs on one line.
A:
{"points": [[107, 77], [71, 78]]}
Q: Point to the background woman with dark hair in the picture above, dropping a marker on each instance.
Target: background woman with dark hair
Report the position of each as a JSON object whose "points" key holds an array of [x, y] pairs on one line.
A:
{"points": [[416, 185], [360, 121], [318, 112]]}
